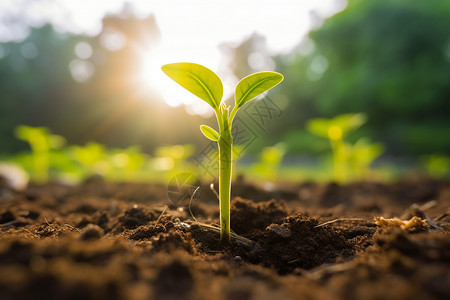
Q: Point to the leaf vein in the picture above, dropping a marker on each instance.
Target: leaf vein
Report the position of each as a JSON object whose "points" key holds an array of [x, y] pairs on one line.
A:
{"points": [[253, 88], [204, 87]]}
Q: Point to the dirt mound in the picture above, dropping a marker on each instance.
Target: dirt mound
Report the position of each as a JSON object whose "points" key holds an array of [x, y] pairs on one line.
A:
{"points": [[299, 243], [248, 217]]}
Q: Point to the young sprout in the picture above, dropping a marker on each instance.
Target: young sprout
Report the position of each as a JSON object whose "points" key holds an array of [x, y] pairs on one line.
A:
{"points": [[206, 85], [41, 142], [335, 130], [270, 160], [437, 166], [363, 155]]}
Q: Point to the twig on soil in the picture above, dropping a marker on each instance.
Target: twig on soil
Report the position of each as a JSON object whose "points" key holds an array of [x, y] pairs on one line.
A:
{"points": [[428, 205], [162, 213], [217, 230], [442, 216], [68, 225], [432, 223], [418, 211], [10, 223], [190, 202], [329, 269], [211, 186], [71, 227], [339, 220], [214, 229]]}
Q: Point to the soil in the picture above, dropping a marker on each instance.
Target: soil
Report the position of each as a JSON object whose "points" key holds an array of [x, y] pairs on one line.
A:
{"points": [[102, 240]]}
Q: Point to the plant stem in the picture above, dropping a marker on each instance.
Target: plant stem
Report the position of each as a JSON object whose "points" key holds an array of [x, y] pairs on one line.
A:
{"points": [[225, 169], [339, 161]]}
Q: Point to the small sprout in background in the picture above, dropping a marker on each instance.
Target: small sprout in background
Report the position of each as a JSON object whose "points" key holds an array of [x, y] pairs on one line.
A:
{"points": [[127, 163], [91, 159], [71, 164], [335, 130], [270, 159], [173, 160], [113, 164], [41, 142], [363, 154], [206, 85], [437, 166]]}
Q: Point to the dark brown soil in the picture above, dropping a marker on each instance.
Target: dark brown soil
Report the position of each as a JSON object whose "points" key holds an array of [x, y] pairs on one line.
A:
{"points": [[129, 241]]}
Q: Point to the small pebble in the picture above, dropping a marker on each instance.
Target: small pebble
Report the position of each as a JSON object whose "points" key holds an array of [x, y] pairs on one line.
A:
{"points": [[13, 177], [280, 230], [94, 179], [91, 232]]}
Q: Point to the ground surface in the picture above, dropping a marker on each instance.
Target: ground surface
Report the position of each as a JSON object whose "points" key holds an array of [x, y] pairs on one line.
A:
{"points": [[131, 241]]}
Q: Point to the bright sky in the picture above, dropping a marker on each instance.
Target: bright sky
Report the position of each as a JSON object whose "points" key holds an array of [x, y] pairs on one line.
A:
{"points": [[190, 30]]}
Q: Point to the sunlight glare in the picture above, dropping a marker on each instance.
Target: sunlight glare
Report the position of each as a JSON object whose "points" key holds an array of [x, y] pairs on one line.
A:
{"points": [[154, 80], [191, 31], [197, 38]]}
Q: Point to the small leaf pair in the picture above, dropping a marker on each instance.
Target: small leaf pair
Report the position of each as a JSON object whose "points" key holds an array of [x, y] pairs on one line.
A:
{"points": [[206, 85]]}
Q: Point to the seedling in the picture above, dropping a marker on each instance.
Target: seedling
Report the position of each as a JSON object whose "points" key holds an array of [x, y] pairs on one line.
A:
{"points": [[363, 155], [437, 166], [127, 163], [41, 142], [173, 160], [335, 130], [91, 159], [270, 160], [206, 85]]}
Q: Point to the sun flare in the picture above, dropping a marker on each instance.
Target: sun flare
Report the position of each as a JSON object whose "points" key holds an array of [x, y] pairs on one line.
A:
{"points": [[153, 80]]}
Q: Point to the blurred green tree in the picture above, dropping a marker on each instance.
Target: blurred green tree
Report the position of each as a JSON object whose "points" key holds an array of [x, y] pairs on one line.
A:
{"points": [[32, 73], [85, 88], [389, 59]]}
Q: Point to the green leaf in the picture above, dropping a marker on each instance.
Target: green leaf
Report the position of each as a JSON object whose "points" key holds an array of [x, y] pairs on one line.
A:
{"points": [[197, 79], [255, 84], [209, 133], [344, 123], [319, 127], [349, 122]]}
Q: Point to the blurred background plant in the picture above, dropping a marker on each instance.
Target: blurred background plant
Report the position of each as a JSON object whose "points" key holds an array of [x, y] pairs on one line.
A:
{"points": [[363, 154], [173, 160], [90, 159], [90, 72], [268, 165], [49, 158], [350, 161], [44, 151], [437, 166]]}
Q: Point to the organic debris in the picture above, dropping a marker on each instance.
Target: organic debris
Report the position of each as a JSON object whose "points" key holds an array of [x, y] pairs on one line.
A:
{"points": [[413, 223]]}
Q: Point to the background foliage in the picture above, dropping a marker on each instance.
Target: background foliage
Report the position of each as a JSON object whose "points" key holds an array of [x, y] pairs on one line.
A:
{"points": [[387, 59]]}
